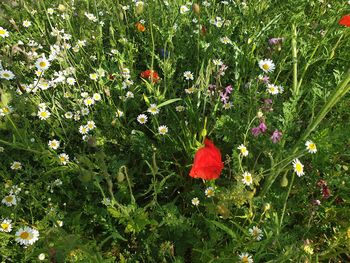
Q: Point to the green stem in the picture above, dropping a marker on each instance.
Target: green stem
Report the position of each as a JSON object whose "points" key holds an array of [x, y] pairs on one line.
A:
{"points": [[295, 61], [285, 201]]}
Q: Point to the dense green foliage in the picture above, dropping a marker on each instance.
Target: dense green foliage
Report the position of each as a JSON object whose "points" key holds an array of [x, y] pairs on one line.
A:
{"points": [[119, 190]]}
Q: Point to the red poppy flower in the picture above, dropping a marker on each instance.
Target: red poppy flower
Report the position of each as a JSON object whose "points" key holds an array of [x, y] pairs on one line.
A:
{"points": [[140, 27], [150, 74], [345, 21], [207, 162]]}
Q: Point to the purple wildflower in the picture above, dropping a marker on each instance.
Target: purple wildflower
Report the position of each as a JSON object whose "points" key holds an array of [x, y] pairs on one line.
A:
{"points": [[224, 97], [228, 89], [275, 41], [268, 101], [276, 136], [256, 131], [262, 127]]}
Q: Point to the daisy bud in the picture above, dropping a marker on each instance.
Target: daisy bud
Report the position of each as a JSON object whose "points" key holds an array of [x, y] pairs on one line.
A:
{"points": [[196, 8], [139, 7], [121, 15], [284, 181], [61, 8]]}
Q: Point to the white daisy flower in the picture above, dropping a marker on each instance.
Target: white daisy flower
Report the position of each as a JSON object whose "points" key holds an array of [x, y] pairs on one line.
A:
{"points": [[50, 11], [27, 236], [43, 114], [298, 167], [54, 144], [85, 111], [195, 201], [225, 40], [26, 23], [209, 192], [83, 129], [70, 81], [184, 9], [64, 158], [119, 114], [256, 233], [245, 258], [7, 74], [247, 178], [16, 165], [180, 108], [153, 109], [42, 64], [273, 89], [3, 32], [93, 76], [217, 62], [129, 95], [89, 101], [76, 116], [311, 146], [5, 225], [91, 125], [188, 75], [267, 65], [142, 118], [163, 129], [41, 256], [96, 97], [68, 115], [9, 200], [243, 150]]}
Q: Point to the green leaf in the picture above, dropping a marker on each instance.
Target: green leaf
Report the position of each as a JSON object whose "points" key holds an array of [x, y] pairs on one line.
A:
{"points": [[168, 102], [223, 227]]}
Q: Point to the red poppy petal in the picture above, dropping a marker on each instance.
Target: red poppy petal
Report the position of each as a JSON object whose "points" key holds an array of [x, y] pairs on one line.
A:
{"points": [[207, 162], [345, 21]]}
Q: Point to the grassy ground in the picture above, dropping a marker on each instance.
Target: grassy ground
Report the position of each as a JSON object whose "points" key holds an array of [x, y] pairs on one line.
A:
{"points": [[104, 105]]}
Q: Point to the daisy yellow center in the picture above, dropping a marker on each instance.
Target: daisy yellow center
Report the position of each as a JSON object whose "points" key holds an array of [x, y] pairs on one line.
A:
{"points": [[16, 165], [9, 199], [248, 178], [243, 150], [2, 32], [5, 110], [42, 64], [210, 192], [298, 167], [312, 146], [245, 259], [163, 130], [43, 114], [53, 144], [6, 75], [90, 126], [5, 226], [24, 235], [266, 66], [62, 158]]}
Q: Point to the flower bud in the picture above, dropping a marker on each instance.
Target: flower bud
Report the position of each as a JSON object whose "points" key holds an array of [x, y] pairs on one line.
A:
{"points": [[139, 7], [284, 181], [61, 8], [196, 9]]}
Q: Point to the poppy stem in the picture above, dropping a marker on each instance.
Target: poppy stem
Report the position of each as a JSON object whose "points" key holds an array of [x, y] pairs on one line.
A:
{"points": [[204, 131]]}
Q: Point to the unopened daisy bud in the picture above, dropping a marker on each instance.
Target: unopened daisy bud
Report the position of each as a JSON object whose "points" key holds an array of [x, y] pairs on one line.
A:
{"points": [[139, 7], [196, 8], [284, 181], [61, 8]]}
